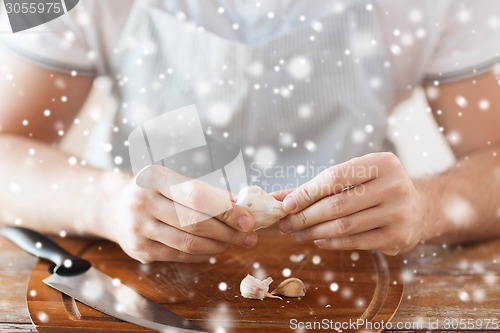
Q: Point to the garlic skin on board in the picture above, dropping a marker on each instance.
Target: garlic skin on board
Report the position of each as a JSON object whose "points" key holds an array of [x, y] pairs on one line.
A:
{"points": [[263, 207], [251, 287], [291, 287]]}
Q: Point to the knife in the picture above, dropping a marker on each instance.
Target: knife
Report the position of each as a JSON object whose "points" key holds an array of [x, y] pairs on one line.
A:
{"points": [[77, 278]]}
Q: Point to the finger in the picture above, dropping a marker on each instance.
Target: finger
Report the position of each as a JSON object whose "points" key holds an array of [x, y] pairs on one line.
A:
{"points": [[181, 216], [182, 240], [157, 176], [217, 230], [167, 212], [203, 199], [331, 181], [280, 195], [191, 193], [336, 206], [370, 240], [237, 218], [363, 221], [160, 252]]}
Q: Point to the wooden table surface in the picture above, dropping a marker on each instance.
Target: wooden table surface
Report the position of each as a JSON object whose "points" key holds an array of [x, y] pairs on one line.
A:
{"points": [[446, 288]]}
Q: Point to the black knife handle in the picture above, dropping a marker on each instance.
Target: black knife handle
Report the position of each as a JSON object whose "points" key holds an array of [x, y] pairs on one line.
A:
{"points": [[43, 247]]}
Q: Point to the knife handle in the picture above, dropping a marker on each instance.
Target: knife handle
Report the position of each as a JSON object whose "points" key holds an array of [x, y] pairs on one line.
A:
{"points": [[43, 247]]}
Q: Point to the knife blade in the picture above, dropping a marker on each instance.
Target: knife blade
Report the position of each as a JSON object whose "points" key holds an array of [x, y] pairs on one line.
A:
{"points": [[77, 278]]}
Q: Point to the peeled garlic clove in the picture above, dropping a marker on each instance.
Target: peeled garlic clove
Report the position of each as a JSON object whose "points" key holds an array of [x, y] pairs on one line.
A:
{"points": [[263, 207], [291, 287], [251, 287]]}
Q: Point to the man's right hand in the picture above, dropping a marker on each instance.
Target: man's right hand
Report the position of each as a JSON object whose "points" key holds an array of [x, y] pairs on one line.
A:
{"points": [[163, 221]]}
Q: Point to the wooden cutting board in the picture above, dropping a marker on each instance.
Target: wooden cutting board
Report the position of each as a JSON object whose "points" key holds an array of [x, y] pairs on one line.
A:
{"points": [[341, 287]]}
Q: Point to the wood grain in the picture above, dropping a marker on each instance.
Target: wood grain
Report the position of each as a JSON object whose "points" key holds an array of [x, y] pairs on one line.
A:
{"points": [[15, 267], [435, 278], [369, 287], [444, 283]]}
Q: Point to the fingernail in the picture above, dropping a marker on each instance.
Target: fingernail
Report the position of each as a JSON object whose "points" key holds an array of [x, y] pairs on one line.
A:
{"points": [[250, 240], [285, 226], [245, 223], [289, 204], [318, 243]]}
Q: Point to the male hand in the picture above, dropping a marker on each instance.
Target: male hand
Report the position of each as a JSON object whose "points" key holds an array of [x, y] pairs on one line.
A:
{"points": [[168, 218], [367, 203]]}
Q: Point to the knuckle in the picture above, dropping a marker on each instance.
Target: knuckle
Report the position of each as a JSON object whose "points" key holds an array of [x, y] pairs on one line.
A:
{"points": [[401, 239], [194, 198], [386, 192], [192, 221], [342, 202], [169, 211], [404, 240], [410, 243], [305, 235], [138, 252], [343, 225], [302, 218], [334, 174], [401, 186], [188, 244], [138, 202], [338, 203], [309, 234], [137, 247], [137, 227], [389, 159], [401, 215], [167, 254], [236, 238], [194, 226], [226, 215], [306, 194], [351, 242]]}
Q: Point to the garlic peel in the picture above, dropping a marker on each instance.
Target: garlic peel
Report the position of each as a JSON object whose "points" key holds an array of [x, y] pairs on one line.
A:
{"points": [[291, 287], [270, 295], [263, 207], [251, 287]]}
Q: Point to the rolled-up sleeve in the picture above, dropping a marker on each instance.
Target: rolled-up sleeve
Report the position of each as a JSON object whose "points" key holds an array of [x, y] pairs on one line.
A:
{"points": [[60, 45], [470, 41]]}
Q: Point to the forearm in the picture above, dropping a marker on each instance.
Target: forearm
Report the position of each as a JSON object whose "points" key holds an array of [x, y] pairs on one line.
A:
{"points": [[41, 189], [462, 204]]}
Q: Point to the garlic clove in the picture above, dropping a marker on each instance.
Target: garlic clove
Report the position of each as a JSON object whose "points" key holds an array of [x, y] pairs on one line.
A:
{"points": [[263, 207], [291, 287], [251, 287]]}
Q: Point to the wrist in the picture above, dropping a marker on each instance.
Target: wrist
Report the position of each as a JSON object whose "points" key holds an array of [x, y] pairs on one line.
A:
{"points": [[429, 203], [111, 185]]}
